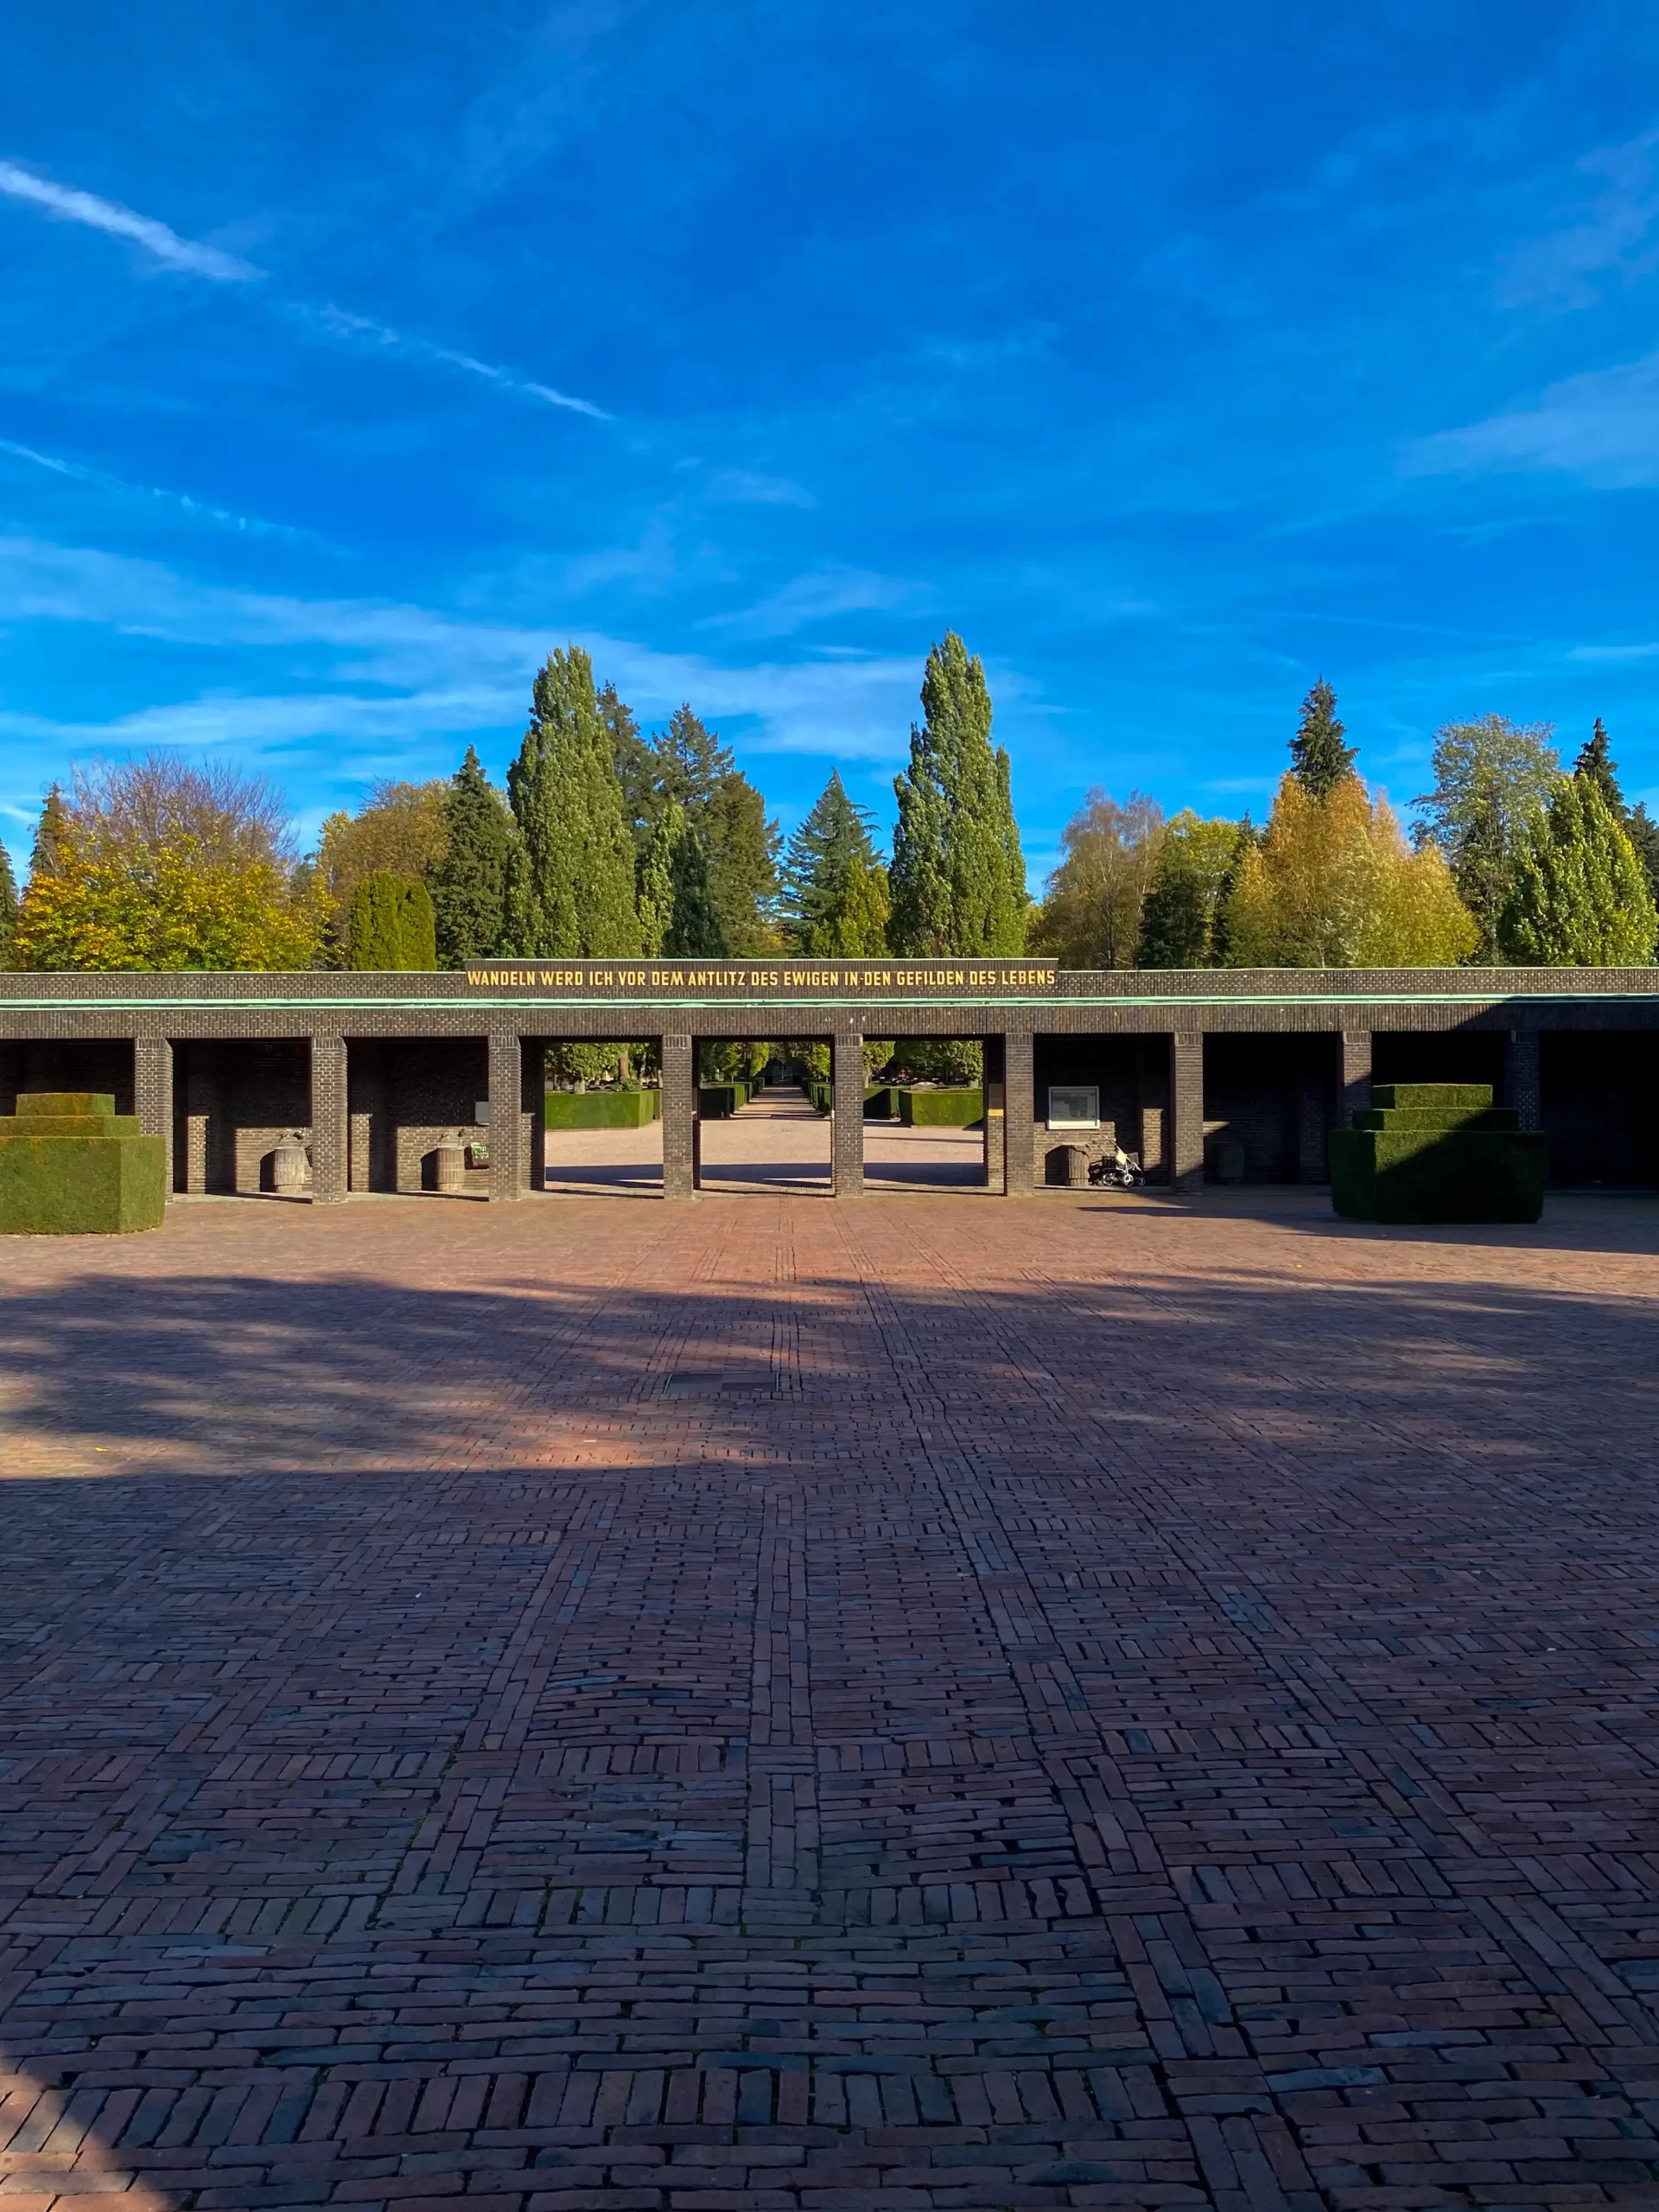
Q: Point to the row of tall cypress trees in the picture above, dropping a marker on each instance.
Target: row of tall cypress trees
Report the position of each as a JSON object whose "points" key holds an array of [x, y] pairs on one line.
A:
{"points": [[610, 845]]}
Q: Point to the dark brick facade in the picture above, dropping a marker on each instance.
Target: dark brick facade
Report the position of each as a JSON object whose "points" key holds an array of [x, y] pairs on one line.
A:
{"points": [[1199, 1072]]}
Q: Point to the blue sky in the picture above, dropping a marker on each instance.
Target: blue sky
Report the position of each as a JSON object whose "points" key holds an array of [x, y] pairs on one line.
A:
{"points": [[351, 358]]}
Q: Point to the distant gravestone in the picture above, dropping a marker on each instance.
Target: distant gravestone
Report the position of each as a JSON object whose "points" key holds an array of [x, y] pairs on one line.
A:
{"points": [[71, 1165], [1429, 1152]]}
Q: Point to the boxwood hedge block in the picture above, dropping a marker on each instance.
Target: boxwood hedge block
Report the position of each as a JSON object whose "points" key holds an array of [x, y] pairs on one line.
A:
{"points": [[718, 1101], [603, 1109], [941, 1109], [71, 1165], [1438, 1152]]}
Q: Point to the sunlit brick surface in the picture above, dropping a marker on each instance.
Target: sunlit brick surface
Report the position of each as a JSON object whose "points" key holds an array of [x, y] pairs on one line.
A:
{"points": [[915, 1702]]}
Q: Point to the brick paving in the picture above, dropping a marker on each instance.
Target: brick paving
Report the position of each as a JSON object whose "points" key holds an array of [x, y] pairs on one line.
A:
{"points": [[771, 1706]]}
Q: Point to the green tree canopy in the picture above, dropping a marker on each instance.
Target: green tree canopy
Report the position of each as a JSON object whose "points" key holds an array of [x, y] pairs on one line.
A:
{"points": [[392, 922], [677, 916], [469, 884], [1090, 917], [695, 771], [1196, 862], [958, 877], [1489, 774], [8, 907], [834, 892], [1579, 897], [1319, 759], [635, 761], [570, 878]]}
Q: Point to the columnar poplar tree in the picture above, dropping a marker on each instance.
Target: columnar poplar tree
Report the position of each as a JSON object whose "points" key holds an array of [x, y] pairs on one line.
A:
{"points": [[392, 922], [1580, 897], [958, 876], [834, 888], [570, 878], [469, 885], [1319, 759]]}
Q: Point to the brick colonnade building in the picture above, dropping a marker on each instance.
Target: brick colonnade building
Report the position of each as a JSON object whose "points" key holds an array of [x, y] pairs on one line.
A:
{"points": [[373, 1069]]}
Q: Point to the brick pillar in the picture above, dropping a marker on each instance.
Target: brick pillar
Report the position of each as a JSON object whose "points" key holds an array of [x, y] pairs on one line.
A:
{"points": [[679, 1118], [203, 1119], [532, 1116], [1356, 1075], [1019, 1115], [847, 1114], [507, 1145], [1184, 1142], [330, 1121], [1524, 1086], [152, 1093]]}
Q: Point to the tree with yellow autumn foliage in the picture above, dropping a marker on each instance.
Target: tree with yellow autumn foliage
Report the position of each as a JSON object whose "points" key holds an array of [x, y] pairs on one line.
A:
{"points": [[156, 865], [1332, 883]]}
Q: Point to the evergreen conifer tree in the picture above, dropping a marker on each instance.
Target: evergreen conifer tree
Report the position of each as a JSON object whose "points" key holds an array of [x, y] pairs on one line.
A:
{"points": [[1319, 759], [1580, 897], [677, 916], [48, 835], [957, 884], [570, 878], [391, 924], [694, 770], [635, 761], [1595, 765], [469, 885], [8, 907], [830, 890]]}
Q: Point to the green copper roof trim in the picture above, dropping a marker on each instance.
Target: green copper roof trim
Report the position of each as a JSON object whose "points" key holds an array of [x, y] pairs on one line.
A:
{"points": [[1052, 1002]]}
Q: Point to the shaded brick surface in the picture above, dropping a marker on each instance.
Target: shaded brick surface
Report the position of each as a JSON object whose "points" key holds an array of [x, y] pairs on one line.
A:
{"points": [[773, 1703]]}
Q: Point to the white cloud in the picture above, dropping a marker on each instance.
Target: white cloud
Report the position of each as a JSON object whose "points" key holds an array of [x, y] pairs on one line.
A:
{"points": [[382, 670], [70, 205], [747, 487], [1602, 426]]}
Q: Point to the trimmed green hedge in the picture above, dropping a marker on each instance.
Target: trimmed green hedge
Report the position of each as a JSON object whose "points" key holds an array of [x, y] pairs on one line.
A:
{"points": [[603, 1109], [71, 1165], [878, 1102], [941, 1109], [718, 1101], [1438, 1152]]}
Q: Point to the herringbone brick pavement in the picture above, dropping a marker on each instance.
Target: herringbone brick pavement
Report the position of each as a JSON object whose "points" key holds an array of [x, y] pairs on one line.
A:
{"points": [[774, 1705]]}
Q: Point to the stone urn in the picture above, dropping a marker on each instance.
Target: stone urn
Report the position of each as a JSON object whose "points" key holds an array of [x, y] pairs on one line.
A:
{"points": [[450, 1165], [291, 1169]]}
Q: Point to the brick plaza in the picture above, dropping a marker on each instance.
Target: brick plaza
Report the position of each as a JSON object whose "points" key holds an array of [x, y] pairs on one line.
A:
{"points": [[905, 1702]]}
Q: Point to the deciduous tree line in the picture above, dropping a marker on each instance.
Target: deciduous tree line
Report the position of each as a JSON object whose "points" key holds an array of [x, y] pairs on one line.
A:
{"points": [[611, 842], [1513, 859]]}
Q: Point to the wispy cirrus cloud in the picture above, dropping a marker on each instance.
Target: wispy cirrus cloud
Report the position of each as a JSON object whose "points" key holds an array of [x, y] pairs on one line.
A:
{"points": [[339, 324], [1602, 426], [1614, 234], [69, 205], [197, 510]]}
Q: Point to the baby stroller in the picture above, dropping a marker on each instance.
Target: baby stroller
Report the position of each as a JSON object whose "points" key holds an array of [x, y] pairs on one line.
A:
{"points": [[1115, 1171]]}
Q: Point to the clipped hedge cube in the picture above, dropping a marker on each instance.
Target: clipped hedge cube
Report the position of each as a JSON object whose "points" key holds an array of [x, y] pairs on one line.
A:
{"points": [[70, 1165], [1427, 1151]]}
